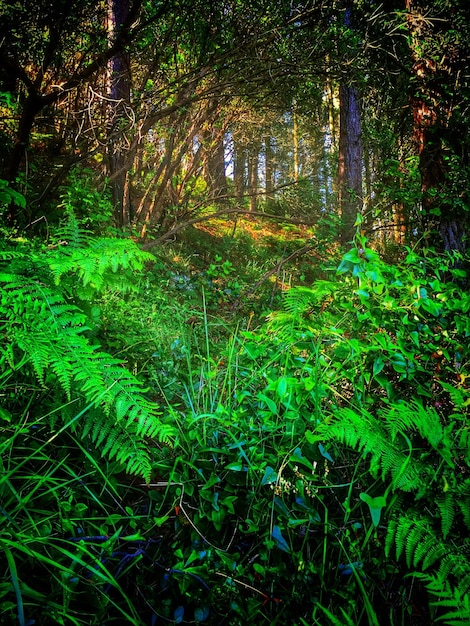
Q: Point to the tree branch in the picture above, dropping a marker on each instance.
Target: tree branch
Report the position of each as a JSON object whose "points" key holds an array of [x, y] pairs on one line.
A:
{"points": [[223, 213]]}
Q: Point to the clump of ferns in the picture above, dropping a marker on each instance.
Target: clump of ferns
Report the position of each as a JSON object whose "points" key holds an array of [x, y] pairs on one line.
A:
{"points": [[45, 335], [420, 459]]}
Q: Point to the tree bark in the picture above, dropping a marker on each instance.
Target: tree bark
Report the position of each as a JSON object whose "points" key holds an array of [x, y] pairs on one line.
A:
{"points": [[349, 161], [269, 171], [239, 169], [119, 97], [253, 156], [433, 103], [295, 142], [215, 173]]}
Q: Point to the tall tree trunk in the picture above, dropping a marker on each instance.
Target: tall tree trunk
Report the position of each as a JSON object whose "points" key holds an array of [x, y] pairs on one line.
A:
{"points": [[119, 94], [253, 156], [331, 112], [433, 105], [295, 142], [349, 152], [269, 171], [239, 169], [349, 161], [215, 172], [31, 108]]}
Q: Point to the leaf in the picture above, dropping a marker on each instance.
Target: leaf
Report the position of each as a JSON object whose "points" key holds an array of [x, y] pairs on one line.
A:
{"points": [[311, 437], [399, 363], [269, 403], [279, 503], [378, 366], [270, 476], [415, 337], [178, 614], [236, 467], [346, 569], [201, 614], [375, 506], [282, 387], [279, 539], [324, 453]]}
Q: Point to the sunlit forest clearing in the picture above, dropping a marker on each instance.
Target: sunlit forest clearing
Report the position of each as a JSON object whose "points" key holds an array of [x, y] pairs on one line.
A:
{"points": [[234, 313]]}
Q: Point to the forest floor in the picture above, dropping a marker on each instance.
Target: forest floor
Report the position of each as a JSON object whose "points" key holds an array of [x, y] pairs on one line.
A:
{"points": [[248, 263]]}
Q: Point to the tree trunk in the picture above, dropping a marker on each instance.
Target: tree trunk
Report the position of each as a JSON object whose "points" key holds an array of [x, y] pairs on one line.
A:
{"points": [[119, 95], [215, 173], [32, 106], [239, 169], [434, 104], [331, 112], [253, 176], [269, 171], [349, 161], [295, 142]]}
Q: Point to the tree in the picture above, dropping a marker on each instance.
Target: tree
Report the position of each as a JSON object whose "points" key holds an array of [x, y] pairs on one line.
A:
{"points": [[349, 160], [350, 151], [119, 112], [440, 53], [50, 50]]}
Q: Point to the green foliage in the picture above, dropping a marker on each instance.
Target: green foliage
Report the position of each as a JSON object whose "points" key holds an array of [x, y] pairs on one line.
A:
{"points": [[47, 333], [387, 331], [9, 195], [318, 461], [389, 440], [83, 203], [66, 538], [452, 604]]}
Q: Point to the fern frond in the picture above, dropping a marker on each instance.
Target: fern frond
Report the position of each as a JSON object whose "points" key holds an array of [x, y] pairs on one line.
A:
{"points": [[368, 435], [463, 500], [416, 540], [413, 417], [464, 443], [97, 263], [43, 329], [447, 508], [454, 604], [301, 305], [119, 441]]}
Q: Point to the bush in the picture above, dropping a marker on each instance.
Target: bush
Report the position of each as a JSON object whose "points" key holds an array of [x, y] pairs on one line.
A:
{"points": [[318, 462]]}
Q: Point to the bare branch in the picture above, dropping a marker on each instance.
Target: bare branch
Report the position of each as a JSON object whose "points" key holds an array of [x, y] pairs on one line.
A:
{"points": [[223, 213]]}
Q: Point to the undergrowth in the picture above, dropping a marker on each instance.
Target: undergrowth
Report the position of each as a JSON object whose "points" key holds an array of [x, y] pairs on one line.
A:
{"points": [[160, 466]]}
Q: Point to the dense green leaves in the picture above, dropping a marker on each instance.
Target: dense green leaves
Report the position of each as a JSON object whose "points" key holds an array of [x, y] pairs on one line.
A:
{"points": [[48, 334]]}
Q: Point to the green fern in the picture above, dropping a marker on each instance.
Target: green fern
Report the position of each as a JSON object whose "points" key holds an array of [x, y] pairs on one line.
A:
{"points": [[400, 443], [447, 509], [99, 262], [452, 604], [413, 451], [414, 538], [463, 500], [46, 333], [372, 437], [302, 306]]}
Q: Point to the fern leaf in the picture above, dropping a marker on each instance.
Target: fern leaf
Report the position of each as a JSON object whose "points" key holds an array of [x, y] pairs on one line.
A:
{"points": [[363, 432], [448, 597], [446, 505], [415, 539]]}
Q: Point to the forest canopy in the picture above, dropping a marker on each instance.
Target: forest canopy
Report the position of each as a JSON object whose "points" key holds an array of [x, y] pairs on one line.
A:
{"points": [[176, 107]]}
